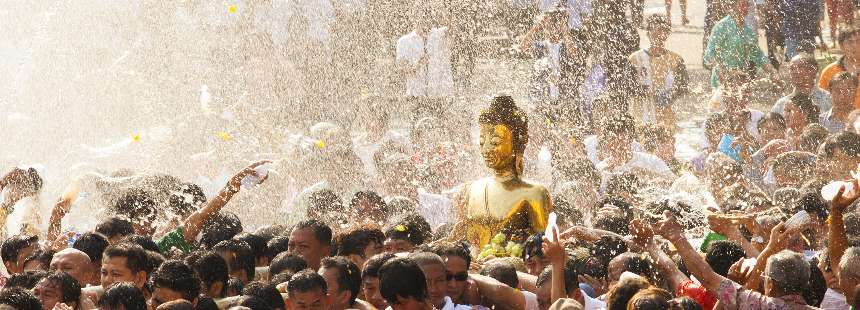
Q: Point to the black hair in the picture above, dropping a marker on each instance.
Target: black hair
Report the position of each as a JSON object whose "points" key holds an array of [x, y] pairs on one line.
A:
{"points": [[504, 111], [639, 265], [153, 261], [210, 267], [372, 266], [771, 117], [268, 292], [368, 195], [222, 226], [287, 261], [26, 280], [135, 205], [20, 299], [607, 247], [614, 223], [321, 231], [175, 275], [411, 227], [501, 270], [242, 257], [814, 293], [69, 287], [43, 256], [234, 287], [812, 203], [571, 281], [114, 227], [532, 246], [135, 256], [460, 250], [92, 243], [348, 275], [123, 295], [255, 303], [282, 277], [306, 281], [847, 142], [186, 199], [402, 278], [721, 254], [277, 245], [592, 267], [14, 245], [257, 244], [355, 241], [812, 136], [143, 241]]}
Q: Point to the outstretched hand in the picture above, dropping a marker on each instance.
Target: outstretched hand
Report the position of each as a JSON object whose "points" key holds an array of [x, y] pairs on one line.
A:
{"points": [[669, 227], [844, 197], [642, 232], [236, 181], [553, 249]]}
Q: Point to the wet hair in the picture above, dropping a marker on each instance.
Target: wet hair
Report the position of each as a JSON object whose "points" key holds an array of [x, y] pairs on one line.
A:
{"points": [[135, 256], [277, 245], [370, 196], [287, 261], [788, 272], [443, 249], [501, 270], [774, 117], [14, 245], [69, 287], [847, 142], [222, 226], [257, 244], [571, 281], [504, 111], [372, 266], [401, 277], [123, 295], [621, 125], [812, 203], [806, 59], [650, 299], [684, 303], [306, 281], [619, 203], [20, 299], [143, 241], [795, 163], [115, 227], [177, 305], [177, 276], [153, 261], [411, 227], [254, 303], [92, 243], [635, 263], [25, 280], [234, 287], [613, 223], [321, 231], [843, 76], [241, 253], [348, 275], [186, 199], [356, 240], [268, 292], [43, 256], [812, 136], [620, 294], [721, 254], [814, 294], [532, 246], [607, 247], [210, 267], [591, 266], [657, 21], [282, 277], [135, 205]]}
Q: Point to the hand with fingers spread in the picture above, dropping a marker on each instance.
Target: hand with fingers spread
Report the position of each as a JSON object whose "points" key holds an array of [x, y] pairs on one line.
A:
{"points": [[669, 227], [642, 232], [738, 272], [845, 197]]}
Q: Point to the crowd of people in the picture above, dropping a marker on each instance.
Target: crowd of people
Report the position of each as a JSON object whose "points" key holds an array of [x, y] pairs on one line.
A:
{"points": [[764, 217]]}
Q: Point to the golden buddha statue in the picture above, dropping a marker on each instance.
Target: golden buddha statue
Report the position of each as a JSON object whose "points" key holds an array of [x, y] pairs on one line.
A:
{"points": [[504, 202]]}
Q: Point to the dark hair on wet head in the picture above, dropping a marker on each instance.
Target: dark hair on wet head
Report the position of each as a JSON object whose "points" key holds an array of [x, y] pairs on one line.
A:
{"points": [[257, 243], [287, 261], [14, 245], [571, 281], [92, 243], [115, 227], [243, 259], [348, 275], [69, 287], [277, 245], [135, 255], [372, 266], [267, 292], [145, 242], [721, 254], [210, 267], [504, 111], [306, 281], [25, 280], [20, 299], [774, 117], [123, 295], [321, 231], [443, 248], [43, 256], [401, 277], [186, 199], [356, 240], [222, 226], [411, 227], [177, 276], [502, 270], [805, 104]]}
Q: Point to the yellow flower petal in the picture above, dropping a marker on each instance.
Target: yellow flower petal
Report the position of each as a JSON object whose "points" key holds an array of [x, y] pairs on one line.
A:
{"points": [[136, 137], [224, 136], [320, 143], [232, 8]]}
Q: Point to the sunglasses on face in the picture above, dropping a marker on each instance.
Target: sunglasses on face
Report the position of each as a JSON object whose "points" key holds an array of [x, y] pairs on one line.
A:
{"points": [[460, 277]]}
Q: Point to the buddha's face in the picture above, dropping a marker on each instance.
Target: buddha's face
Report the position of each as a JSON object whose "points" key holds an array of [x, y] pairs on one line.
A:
{"points": [[497, 146]]}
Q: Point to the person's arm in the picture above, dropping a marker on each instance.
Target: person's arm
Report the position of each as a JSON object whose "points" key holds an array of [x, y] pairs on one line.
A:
{"points": [[192, 225], [672, 231], [726, 228], [527, 41], [498, 293], [709, 57], [554, 251], [837, 240], [61, 208], [779, 238], [527, 281], [643, 234]]}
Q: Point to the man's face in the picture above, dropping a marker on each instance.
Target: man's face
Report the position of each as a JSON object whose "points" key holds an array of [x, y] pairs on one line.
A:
{"points": [[457, 272], [304, 243], [238, 274], [339, 299], [770, 130], [842, 93], [370, 288], [839, 166], [115, 269], [535, 264], [543, 295], [310, 300], [398, 246], [802, 75], [658, 36], [851, 46], [437, 284], [74, 264], [162, 295], [48, 293], [372, 249], [742, 7]]}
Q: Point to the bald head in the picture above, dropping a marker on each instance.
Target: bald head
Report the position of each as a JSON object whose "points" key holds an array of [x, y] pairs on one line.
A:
{"points": [[74, 262]]}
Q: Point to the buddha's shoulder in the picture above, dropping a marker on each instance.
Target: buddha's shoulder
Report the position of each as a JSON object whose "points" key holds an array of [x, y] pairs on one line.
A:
{"points": [[521, 185]]}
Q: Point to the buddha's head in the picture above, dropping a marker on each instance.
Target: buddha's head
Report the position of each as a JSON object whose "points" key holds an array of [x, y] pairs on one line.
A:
{"points": [[504, 134]]}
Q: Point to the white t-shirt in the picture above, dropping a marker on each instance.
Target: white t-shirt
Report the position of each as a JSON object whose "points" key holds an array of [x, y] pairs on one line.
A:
{"points": [[592, 303], [833, 300], [449, 305], [436, 79], [531, 300]]}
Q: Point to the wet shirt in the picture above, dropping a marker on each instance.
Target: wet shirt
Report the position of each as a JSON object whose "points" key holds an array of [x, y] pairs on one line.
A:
{"points": [[174, 239], [735, 296], [820, 97], [830, 122], [730, 47]]}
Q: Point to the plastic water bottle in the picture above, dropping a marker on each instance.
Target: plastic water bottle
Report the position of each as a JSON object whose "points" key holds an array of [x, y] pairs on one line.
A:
{"points": [[551, 226], [254, 179]]}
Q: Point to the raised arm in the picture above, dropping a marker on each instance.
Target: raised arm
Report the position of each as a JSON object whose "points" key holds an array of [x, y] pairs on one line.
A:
{"points": [[726, 228], [672, 231], [192, 225], [779, 237], [643, 234], [837, 240], [557, 257], [501, 295]]}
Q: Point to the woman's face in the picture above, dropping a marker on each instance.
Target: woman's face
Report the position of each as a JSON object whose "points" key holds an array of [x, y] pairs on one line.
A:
{"points": [[794, 116]]}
